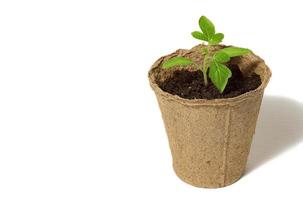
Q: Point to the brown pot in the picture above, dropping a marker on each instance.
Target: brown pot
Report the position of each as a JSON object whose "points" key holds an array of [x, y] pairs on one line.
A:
{"points": [[210, 139]]}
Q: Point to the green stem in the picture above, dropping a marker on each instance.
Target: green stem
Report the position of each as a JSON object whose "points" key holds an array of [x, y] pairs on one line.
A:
{"points": [[204, 67]]}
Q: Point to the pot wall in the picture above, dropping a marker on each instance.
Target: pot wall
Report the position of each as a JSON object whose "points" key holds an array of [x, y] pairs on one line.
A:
{"points": [[210, 144]]}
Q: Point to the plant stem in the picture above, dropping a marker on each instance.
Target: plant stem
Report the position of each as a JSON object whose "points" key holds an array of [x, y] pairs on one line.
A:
{"points": [[204, 67]]}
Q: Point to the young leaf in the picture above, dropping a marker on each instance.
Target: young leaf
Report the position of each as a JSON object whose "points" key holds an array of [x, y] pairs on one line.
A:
{"points": [[219, 75], [216, 39], [235, 51], [221, 57], [207, 27], [198, 35], [176, 61]]}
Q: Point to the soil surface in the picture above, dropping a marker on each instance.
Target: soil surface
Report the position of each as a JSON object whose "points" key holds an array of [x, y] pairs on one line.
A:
{"points": [[189, 85]]}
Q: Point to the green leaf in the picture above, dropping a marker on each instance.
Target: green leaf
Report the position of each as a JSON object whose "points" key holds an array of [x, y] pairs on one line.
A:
{"points": [[219, 75], [217, 38], [221, 57], [198, 35], [235, 51], [207, 27], [176, 61]]}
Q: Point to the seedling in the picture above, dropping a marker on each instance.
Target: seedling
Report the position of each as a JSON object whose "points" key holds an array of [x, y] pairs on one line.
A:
{"points": [[213, 63]]}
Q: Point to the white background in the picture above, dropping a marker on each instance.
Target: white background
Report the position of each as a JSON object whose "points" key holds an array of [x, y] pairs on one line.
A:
{"points": [[78, 119]]}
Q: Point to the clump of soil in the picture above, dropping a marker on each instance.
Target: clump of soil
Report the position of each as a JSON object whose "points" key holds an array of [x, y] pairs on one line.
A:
{"points": [[189, 85]]}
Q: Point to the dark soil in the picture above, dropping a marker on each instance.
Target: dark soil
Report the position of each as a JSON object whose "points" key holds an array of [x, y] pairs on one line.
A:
{"points": [[189, 85]]}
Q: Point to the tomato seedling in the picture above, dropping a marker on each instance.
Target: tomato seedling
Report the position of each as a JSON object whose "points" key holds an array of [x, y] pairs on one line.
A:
{"points": [[213, 64]]}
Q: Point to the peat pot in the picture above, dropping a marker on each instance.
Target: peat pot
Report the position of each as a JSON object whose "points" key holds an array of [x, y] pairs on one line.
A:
{"points": [[210, 139]]}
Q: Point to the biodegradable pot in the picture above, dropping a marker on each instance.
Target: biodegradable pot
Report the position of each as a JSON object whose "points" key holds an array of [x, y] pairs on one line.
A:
{"points": [[210, 139]]}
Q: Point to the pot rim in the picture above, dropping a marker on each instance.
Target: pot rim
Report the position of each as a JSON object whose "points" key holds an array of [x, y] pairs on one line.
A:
{"points": [[210, 102]]}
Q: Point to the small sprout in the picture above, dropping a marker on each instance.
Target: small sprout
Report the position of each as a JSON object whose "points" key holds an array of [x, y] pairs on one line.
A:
{"points": [[204, 51], [218, 72]]}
